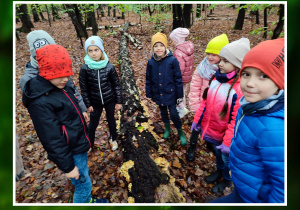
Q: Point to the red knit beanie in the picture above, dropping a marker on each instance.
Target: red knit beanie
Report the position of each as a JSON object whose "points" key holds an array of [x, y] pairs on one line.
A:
{"points": [[54, 62], [268, 56]]}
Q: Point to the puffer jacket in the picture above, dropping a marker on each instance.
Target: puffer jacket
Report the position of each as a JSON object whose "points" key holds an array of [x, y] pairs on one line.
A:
{"points": [[164, 80], [197, 87], [58, 121], [185, 55], [99, 87], [257, 156], [31, 72], [213, 129]]}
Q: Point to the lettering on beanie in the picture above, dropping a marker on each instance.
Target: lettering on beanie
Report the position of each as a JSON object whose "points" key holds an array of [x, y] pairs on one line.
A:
{"points": [[279, 60]]}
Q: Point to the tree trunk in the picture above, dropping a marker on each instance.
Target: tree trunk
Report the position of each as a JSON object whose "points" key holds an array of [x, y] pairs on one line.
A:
{"points": [[36, 17], [151, 11], [101, 10], [240, 19], [40, 12], [257, 17], [91, 19], [114, 11], [203, 7], [265, 22], [138, 140], [108, 10], [25, 18], [187, 10], [198, 11], [280, 24], [177, 16], [48, 15]]}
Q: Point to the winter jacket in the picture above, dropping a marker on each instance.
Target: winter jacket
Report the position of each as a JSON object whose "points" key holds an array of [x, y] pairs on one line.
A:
{"points": [[197, 87], [31, 72], [164, 80], [213, 129], [99, 87], [257, 156], [58, 121], [185, 55]]}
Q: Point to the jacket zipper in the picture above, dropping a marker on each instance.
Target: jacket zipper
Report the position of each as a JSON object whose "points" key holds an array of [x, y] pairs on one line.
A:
{"points": [[100, 87], [79, 116], [210, 111], [65, 132]]}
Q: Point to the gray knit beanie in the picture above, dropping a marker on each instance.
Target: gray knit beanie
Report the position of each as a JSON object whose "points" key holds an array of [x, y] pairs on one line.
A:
{"points": [[235, 51], [37, 39]]}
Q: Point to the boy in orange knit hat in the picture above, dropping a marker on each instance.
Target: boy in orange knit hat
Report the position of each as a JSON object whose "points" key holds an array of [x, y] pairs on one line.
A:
{"points": [[257, 148], [58, 120], [164, 84]]}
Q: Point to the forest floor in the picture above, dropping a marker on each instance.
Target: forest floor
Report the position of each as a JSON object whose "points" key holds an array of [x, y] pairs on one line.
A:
{"points": [[43, 182]]}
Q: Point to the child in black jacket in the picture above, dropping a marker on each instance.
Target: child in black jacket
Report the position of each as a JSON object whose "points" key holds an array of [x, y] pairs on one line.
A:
{"points": [[57, 118]]}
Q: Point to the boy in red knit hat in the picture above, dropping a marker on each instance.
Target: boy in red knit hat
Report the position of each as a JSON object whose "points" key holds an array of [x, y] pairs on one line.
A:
{"points": [[58, 120], [257, 148]]}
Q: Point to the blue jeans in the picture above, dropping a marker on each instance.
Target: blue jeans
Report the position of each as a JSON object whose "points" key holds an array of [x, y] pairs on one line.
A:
{"points": [[233, 197], [82, 186], [223, 163], [173, 114]]}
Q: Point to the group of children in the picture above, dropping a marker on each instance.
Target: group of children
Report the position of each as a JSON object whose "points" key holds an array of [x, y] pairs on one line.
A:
{"points": [[236, 96]]}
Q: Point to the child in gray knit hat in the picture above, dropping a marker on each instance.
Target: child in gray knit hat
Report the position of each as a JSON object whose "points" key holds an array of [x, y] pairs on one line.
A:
{"points": [[37, 39], [215, 119]]}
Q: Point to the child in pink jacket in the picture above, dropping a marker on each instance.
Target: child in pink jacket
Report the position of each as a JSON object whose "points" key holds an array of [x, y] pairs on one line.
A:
{"points": [[205, 70], [184, 53]]}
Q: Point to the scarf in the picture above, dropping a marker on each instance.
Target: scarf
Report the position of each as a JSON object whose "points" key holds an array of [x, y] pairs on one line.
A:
{"points": [[265, 104], [223, 78], [95, 65], [157, 58], [206, 70]]}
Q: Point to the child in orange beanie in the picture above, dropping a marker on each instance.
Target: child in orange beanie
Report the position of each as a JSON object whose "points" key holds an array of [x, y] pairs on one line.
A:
{"points": [[257, 148], [164, 84], [58, 120]]}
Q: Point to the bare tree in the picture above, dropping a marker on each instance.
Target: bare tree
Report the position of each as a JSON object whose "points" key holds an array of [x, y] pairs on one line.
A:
{"points": [[36, 17], [240, 19], [280, 24], [25, 18]]}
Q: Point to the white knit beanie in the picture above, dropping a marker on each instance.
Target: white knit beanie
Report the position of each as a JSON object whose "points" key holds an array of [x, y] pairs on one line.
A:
{"points": [[235, 51]]}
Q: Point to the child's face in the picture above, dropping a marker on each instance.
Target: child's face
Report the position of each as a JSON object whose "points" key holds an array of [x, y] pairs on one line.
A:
{"points": [[213, 58], [225, 66], [60, 82], [95, 53], [159, 49], [256, 85], [173, 43]]}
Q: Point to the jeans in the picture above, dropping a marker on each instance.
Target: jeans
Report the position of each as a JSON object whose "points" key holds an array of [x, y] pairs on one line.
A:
{"points": [[95, 117], [223, 163], [82, 186], [233, 197], [173, 114]]}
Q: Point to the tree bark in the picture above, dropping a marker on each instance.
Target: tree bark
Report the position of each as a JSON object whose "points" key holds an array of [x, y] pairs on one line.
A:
{"points": [[137, 139], [240, 19], [280, 24], [36, 17], [177, 16], [257, 17], [198, 11], [108, 10], [114, 11], [91, 19], [187, 9], [101, 10], [48, 15], [40, 12], [151, 11], [265, 22], [54, 13], [25, 18]]}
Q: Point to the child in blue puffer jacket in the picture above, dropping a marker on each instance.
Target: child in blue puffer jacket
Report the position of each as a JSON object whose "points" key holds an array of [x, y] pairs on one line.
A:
{"points": [[164, 84], [257, 148]]}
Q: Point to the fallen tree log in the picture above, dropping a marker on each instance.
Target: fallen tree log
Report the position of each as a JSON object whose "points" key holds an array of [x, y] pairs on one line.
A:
{"points": [[146, 173], [113, 26], [134, 41]]}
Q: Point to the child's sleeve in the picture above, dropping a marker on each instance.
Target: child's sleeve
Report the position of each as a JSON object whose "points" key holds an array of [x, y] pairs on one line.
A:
{"points": [[177, 79], [115, 82], [78, 96], [149, 93], [195, 96], [28, 74], [271, 150], [83, 82], [51, 136], [200, 112], [181, 60]]}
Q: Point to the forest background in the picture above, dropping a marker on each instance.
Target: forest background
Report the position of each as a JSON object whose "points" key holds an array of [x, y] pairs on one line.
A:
{"points": [[6, 132]]}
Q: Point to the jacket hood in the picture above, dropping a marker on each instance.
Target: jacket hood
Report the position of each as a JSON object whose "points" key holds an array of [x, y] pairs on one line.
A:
{"points": [[34, 88], [186, 47]]}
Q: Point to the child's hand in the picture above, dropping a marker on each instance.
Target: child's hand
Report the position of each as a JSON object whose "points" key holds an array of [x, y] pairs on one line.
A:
{"points": [[90, 109], [118, 107], [73, 174], [86, 117], [223, 148]]}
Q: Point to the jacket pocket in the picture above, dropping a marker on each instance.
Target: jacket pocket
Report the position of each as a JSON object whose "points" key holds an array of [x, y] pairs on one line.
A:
{"points": [[65, 133]]}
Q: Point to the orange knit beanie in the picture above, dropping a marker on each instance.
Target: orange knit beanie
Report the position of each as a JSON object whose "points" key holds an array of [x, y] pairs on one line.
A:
{"points": [[159, 37]]}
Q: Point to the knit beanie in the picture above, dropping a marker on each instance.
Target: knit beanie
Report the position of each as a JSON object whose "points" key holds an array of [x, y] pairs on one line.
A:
{"points": [[159, 37], [37, 39], [54, 62], [268, 56], [216, 44], [178, 35], [235, 51], [94, 40]]}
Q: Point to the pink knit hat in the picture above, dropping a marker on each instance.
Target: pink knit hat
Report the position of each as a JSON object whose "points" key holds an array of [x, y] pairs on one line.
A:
{"points": [[178, 35]]}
